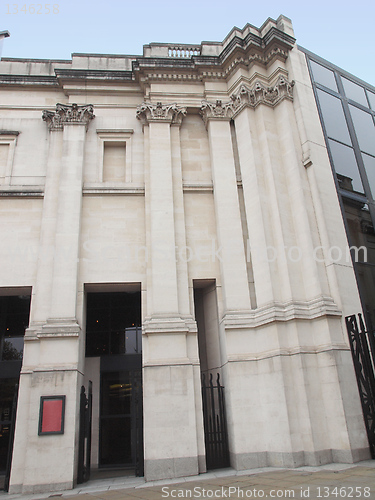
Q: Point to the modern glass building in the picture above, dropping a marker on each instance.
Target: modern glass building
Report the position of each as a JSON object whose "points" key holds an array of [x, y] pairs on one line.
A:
{"points": [[346, 107]]}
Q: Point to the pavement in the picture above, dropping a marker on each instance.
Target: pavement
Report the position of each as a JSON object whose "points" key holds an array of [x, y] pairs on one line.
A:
{"points": [[332, 481]]}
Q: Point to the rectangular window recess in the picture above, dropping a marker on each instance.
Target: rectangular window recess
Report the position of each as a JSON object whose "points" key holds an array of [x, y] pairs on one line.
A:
{"points": [[115, 156]]}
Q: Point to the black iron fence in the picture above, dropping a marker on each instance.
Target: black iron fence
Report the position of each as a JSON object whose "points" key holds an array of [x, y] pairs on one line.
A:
{"points": [[84, 447], [215, 424], [12, 425], [362, 345], [138, 431]]}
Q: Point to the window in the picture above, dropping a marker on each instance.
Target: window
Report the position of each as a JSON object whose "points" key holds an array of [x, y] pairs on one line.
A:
{"points": [[346, 166], [323, 76], [333, 117], [364, 129], [113, 323], [14, 319], [354, 92]]}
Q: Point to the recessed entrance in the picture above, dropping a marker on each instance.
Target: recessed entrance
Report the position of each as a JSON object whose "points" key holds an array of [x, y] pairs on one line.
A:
{"points": [[120, 394], [114, 344], [14, 319]]}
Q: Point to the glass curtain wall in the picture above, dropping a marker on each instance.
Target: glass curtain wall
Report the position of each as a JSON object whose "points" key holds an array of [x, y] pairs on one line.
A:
{"points": [[347, 111]]}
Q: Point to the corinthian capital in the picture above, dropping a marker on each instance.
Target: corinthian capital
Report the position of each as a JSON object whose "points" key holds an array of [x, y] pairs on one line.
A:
{"points": [[170, 113], [216, 111], [68, 113], [260, 94]]}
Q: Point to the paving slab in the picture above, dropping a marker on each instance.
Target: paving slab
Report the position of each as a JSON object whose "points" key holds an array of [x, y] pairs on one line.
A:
{"points": [[332, 482]]}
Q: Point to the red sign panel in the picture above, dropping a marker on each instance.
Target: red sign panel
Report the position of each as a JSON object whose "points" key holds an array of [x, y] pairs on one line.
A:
{"points": [[51, 420]]}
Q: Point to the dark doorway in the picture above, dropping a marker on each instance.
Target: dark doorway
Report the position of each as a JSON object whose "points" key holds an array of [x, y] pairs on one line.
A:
{"points": [[14, 319], [114, 334], [214, 415], [121, 394]]}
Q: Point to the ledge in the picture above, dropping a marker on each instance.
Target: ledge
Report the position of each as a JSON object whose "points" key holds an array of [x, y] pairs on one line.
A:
{"points": [[204, 187], [285, 311], [9, 132], [122, 189], [291, 351], [21, 191]]}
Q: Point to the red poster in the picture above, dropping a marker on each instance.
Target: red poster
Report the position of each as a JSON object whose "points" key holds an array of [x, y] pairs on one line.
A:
{"points": [[52, 415]]}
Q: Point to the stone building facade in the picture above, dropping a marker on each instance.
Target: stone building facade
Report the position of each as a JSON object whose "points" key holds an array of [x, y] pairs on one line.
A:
{"points": [[191, 188]]}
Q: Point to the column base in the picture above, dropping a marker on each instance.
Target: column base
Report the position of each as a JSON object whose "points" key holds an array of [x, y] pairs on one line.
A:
{"points": [[40, 488], [168, 468], [244, 461]]}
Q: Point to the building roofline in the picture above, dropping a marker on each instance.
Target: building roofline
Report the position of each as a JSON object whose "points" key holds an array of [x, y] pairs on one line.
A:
{"points": [[25, 59]]}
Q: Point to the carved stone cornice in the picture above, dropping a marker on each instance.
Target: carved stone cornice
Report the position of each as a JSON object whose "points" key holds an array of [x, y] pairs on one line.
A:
{"points": [[68, 114], [248, 97], [170, 113], [261, 94], [241, 48]]}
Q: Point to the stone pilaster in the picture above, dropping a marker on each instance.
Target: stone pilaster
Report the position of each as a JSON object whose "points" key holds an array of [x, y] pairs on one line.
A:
{"points": [[171, 365], [53, 325], [233, 264]]}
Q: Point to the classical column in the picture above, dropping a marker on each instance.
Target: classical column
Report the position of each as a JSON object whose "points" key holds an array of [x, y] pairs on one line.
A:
{"points": [[162, 240], [170, 355], [233, 262], [257, 158], [52, 343]]}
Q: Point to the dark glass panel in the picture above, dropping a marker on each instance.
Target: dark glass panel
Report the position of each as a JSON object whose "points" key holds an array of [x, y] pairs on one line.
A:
{"points": [[369, 162], [361, 231], [333, 117], [323, 75], [7, 389], [108, 317], [115, 441], [12, 348], [364, 129], [366, 278], [131, 341], [354, 92], [116, 393], [14, 319], [16, 314], [346, 167], [371, 97]]}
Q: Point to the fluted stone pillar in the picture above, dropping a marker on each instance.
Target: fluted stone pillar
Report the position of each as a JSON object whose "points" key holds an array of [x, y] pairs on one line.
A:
{"points": [[173, 438], [233, 263], [52, 342]]}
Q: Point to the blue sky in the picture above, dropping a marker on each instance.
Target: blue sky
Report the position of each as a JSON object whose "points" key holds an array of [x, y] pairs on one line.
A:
{"points": [[341, 32]]}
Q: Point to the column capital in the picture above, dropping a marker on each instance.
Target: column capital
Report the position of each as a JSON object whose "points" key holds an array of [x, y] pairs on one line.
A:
{"points": [[168, 113], [247, 96], [68, 114], [217, 110], [259, 93]]}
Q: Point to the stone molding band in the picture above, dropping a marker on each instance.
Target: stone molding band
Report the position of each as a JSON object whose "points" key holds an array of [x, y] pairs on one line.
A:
{"points": [[68, 114], [173, 113], [259, 93]]}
